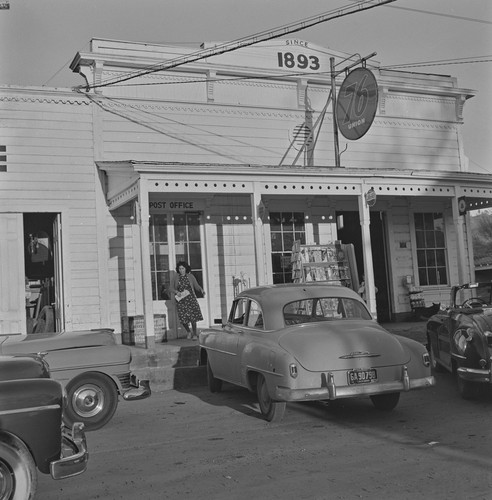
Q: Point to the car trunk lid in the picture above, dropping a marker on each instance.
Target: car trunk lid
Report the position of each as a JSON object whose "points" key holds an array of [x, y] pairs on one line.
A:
{"points": [[341, 345]]}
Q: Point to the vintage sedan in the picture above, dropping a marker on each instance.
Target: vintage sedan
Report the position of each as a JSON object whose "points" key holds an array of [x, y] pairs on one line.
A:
{"points": [[94, 370], [306, 342], [460, 337], [31, 433]]}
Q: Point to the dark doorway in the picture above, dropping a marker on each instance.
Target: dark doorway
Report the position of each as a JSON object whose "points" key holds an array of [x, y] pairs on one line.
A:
{"points": [[39, 267], [349, 231]]}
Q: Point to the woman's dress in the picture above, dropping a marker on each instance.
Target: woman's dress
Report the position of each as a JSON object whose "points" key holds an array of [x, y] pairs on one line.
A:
{"points": [[188, 308]]}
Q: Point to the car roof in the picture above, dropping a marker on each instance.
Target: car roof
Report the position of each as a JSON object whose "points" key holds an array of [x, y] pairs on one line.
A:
{"points": [[274, 297]]}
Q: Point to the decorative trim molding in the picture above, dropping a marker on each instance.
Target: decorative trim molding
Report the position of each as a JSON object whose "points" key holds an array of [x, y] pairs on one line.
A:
{"points": [[45, 100]]}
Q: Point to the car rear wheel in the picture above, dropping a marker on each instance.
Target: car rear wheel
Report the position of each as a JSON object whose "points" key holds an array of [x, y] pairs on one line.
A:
{"points": [[385, 402], [214, 384], [18, 475], [273, 411], [92, 400]]}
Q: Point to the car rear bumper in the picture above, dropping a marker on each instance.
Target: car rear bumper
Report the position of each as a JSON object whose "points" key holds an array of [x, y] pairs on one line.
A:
{"points": [[331, 391], [74, 443], [139, 389]]}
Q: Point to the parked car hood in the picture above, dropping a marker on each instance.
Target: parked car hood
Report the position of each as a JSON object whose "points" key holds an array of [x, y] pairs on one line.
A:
{"points": [[484, 320], [338, 345], [57, 341]]}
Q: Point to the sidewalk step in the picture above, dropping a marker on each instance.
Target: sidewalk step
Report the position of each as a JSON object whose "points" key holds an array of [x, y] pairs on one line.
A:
{"points": [[169, 366]]}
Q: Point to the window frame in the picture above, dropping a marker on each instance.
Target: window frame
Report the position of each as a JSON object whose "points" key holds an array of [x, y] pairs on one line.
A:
{"points": [[417, 249]]}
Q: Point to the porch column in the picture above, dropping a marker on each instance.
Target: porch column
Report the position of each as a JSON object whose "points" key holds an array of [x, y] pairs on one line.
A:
{"points": [[460, 243], [365, 221], [148, 306], [256, 216]]}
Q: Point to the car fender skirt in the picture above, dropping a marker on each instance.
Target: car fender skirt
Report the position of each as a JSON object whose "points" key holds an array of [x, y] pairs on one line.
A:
{"points": [[331, 391]]}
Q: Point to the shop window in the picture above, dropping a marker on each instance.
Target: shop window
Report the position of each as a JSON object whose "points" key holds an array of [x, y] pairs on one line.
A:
{"points": [[431, 249], [285, 228]]}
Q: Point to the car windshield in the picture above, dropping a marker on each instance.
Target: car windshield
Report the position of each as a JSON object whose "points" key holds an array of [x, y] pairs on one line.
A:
{"points": [[324, 309], [474, 295]]}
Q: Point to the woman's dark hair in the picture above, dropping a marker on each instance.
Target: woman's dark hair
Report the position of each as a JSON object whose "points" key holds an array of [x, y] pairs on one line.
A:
{"points": [[185, 265]]}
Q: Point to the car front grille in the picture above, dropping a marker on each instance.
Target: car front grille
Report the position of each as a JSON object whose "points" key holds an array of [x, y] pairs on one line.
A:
{"points": [[125, 379]]}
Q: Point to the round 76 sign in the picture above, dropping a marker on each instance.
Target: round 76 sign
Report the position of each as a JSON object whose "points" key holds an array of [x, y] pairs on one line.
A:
{"points": [[357, 103]]}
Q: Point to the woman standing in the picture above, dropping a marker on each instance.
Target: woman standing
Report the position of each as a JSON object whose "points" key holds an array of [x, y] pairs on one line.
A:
{"points": [[184, 286]]}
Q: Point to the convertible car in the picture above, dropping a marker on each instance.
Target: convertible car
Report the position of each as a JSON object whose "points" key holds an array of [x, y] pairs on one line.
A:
{"points": [[305, 342], [460, 337], [91, 367]]}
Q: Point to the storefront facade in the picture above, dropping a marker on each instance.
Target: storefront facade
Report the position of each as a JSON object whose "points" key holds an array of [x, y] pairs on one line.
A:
{"points": [[226, 162]]}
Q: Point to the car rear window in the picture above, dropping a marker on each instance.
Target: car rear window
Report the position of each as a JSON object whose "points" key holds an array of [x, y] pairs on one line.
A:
{"points": [[324, 309]]}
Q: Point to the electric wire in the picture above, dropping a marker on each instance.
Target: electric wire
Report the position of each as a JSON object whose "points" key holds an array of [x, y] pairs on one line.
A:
{"points": [[243, 42]]}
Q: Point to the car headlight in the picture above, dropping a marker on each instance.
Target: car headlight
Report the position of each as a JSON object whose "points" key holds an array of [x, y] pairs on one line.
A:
{"points": [[462, 337], [488, 336]]}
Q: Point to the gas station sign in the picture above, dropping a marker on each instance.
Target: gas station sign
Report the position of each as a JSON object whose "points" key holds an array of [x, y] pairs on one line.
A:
{"points": [[357, 103]]}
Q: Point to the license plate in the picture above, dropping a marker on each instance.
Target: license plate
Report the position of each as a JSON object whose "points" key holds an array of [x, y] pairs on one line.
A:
{"points": [[362, 376]]}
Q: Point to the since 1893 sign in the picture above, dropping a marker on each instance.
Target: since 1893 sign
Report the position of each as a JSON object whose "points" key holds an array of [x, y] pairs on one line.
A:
{"points": [[357, 103]]}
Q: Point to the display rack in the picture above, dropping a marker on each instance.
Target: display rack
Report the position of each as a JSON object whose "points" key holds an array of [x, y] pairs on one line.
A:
{"points": [[332, 263]]}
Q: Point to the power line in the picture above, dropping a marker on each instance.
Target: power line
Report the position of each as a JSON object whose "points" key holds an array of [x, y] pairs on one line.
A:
{"points": [[245, 41], [441, 14]]}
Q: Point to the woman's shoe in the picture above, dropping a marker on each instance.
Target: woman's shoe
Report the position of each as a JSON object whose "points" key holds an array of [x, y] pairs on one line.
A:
{"points": [[189, 337]]}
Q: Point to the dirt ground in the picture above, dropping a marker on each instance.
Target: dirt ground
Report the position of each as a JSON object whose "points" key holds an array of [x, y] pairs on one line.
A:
{"points": [[194, 444]]}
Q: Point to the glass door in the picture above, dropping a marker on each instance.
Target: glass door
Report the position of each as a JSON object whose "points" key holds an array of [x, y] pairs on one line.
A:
{"points": [[174, 237]]}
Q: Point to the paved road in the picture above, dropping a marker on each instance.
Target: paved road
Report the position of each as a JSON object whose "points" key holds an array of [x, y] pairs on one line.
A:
{"points": [[187, 445]]}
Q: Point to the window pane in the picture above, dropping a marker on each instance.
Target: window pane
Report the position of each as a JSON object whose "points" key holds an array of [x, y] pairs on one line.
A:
{"points": [[440, 258], [419, 236], [275, 221], [431, 258], [255, 317], [439, 239], [276, 242], [299, 221], [419, 221]]}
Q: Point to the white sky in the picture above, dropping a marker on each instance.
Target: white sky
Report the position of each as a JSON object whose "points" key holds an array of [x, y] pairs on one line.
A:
{"points": [[39, 38]]}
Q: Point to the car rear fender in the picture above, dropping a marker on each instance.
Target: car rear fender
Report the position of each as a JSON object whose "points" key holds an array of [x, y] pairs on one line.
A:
{"points": [[419, 362]]}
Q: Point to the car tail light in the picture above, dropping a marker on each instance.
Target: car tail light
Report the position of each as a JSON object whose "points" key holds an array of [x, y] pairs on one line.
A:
{"points": [[426, 359], [293, 370]]}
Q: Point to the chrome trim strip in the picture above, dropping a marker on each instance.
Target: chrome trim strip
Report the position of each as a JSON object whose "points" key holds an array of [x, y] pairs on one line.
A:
{"points": [[31, 408]]}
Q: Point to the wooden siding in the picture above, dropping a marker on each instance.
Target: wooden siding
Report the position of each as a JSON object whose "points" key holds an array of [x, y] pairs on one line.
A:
{"points": [[50, 168]]}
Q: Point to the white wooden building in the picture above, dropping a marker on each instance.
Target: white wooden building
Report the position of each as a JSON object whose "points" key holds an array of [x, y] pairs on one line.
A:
{"points": [[205, 162]]}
